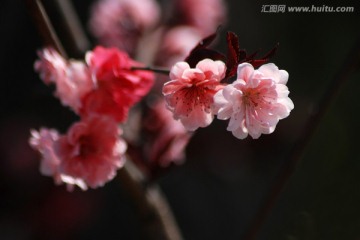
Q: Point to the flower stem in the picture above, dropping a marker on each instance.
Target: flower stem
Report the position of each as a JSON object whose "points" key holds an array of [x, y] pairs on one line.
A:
{"points": [[351, 63], [150, 204], [153, 69]]}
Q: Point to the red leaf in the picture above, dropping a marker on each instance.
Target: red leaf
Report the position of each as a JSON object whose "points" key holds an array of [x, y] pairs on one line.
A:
{"points": [[233, 54], [258, 62], [201, 52]]}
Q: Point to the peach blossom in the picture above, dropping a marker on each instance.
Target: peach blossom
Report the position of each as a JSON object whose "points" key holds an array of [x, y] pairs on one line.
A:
{"points": [[44, 141], [189, 94], [205, 15], [255, 102], [50, 65], [118, 87], [167, 137], [71, 78], [177, 44], [91, 150], [121, 23], [77, 83]]}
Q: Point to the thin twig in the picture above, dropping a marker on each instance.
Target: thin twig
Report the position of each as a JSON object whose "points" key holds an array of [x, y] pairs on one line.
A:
{"points": [[351, 63], [151, 206], [45, 28], [153, 69], [72, 33]]}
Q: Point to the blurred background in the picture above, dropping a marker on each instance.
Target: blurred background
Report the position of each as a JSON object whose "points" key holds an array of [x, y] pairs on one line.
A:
{"points": [[224, 181]]}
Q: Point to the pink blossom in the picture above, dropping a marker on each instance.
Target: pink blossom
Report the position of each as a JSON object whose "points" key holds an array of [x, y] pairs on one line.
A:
{"points": [[51, 65], [255, 102], [167, 137], [120, 23], [189, 94], [72, 78], [91, 150], [177, 44], [205, 15], [77, 83], [117, 86], [44, 142]]}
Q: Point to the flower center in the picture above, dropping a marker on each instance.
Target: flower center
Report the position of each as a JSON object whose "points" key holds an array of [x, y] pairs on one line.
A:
{"points": [[86, 147], [251, 97]]}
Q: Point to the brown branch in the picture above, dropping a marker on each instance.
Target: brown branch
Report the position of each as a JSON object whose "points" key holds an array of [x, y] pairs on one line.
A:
{"points": [[153, 69], [151, 206], [44, 26], [68, 26], [351, 63]]}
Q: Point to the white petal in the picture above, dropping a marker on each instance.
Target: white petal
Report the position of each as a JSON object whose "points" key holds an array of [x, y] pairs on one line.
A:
{"points": [[241, 132], [225, 112], [284, 76], [236, 120], [287, 103], [282, 90]]}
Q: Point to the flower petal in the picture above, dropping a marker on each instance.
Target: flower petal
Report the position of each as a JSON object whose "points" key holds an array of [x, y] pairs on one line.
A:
{"points": [[245, 71], [178, 69]]}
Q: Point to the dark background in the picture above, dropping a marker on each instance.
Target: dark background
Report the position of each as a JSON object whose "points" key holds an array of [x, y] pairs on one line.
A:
{"points": [[218, 190]]}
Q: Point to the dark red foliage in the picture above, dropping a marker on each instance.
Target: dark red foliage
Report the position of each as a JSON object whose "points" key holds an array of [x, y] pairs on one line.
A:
{"points": [[235, 55], [201, 51]]}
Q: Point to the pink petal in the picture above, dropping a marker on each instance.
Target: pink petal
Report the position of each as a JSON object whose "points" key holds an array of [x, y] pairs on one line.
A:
{"points": [[271, 70], [197, 118], [178, 69], [216, 68], [190, 74], [245, 71], [173, 86]]}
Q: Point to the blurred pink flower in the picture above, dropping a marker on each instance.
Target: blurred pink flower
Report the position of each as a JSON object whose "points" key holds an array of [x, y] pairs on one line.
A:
{"points": [[205, 15], [168, 137], [255, 102], [91, 150], [43, 141], [72, 78], [120, 23], [51, 65], [117, 86], [77, 83], [189, 94], [177, 44]]}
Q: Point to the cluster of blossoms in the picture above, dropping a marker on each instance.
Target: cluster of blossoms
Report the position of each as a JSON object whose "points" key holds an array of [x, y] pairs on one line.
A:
{"points": [[254, 103], [178, 25], [104, 88], [121, 23], [101, 91]]}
